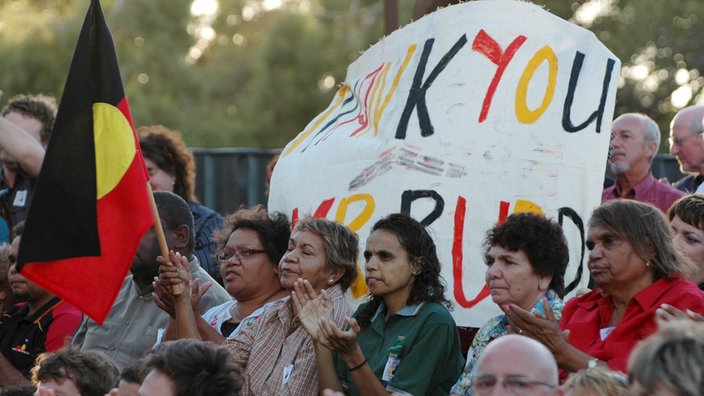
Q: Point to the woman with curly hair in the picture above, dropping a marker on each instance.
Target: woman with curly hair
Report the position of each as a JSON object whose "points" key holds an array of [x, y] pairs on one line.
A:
{"points": [[526, 258], [172, 168], [403, 339]]}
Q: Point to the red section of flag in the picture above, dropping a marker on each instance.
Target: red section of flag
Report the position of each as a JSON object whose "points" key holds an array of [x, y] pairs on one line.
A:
{"points": [[74, 245]]}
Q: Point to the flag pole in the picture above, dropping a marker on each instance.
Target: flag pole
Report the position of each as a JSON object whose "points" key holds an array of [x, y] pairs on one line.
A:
{"points": [[159, 230]]}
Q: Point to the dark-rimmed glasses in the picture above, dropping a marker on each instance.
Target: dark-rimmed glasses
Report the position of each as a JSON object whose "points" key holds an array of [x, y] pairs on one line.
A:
{"points": [[241, 254]]}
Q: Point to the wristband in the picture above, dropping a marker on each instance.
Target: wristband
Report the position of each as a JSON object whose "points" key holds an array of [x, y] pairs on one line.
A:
{"points": [[358, 366]]}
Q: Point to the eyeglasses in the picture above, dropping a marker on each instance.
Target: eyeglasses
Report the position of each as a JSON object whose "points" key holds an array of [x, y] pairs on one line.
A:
{"points": [[241, 254], [679, 141], [513, 384]]}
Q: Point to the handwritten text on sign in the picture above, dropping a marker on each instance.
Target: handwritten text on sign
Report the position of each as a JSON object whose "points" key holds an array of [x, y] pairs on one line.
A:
{"points": [[474, 112]]}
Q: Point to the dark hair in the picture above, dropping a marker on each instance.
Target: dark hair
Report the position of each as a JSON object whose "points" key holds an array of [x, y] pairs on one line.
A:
{"points": [[689, 209], [132, 372], [93, 372], [428, 285], [645, 228], [197, 368], [168, 151], [273, 230], [175, 212], [40, 107], [341, 246], [540, 238]]}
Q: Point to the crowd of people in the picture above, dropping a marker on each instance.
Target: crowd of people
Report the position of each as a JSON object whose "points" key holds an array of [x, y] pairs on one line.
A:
{"points": [[252, 304]]}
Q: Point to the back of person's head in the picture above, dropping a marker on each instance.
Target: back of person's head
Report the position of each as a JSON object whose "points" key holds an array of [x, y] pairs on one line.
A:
{"points": [[690, 209], [646, 229], [273, 230], [93, 372], [428, 284], [175, 212], [671, 358], [596, 381], [341, 246], [40, 107], [540, 238], [196, 368], [168, 151]]}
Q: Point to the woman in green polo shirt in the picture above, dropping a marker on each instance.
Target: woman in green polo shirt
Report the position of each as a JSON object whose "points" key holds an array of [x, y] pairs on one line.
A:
{"points": [[403, 339]]}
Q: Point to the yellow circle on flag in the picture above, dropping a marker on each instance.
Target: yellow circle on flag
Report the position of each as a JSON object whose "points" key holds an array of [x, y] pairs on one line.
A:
{"points": [[114, 146]]}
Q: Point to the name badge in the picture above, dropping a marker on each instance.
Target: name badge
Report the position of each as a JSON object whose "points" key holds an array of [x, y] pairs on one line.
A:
{"points": [[287, 374], [20, 198]]}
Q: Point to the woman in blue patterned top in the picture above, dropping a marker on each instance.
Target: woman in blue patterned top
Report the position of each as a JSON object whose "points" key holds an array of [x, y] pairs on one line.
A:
{"points": [[172, 168], [526, 258]]}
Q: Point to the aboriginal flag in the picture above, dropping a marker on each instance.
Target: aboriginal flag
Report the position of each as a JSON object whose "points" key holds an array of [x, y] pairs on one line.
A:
{"points": [[91, 204]]}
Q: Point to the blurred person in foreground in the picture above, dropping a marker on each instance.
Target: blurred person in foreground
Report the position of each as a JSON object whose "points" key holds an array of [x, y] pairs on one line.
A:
{"points": [[669, 363], [636, 268], [596, 381], [526, 258], [172, 168], [189, 368], [70, 372]]}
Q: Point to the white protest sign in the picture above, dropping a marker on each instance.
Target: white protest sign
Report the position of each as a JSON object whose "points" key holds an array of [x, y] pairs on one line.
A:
{"points": [[471, 113]]}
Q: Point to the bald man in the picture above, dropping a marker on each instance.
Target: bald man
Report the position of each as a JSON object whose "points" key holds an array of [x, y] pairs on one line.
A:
{"points": [[635, 139], [687, 145], [514, 364]]}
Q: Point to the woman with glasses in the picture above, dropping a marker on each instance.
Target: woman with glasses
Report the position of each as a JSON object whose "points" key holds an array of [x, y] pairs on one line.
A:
{"points": [[403, 340], [274, 353], [252, 243], [526, 258]]}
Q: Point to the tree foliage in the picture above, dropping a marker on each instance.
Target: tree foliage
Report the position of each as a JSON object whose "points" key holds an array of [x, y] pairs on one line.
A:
{"points": [[254, 75]]}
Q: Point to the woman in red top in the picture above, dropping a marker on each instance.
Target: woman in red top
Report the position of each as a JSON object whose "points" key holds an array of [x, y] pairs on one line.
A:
{"points": [[636, 268]]}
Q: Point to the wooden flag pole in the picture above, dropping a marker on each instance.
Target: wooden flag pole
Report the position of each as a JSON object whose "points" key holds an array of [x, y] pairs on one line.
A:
{"points": [[159, 230]]}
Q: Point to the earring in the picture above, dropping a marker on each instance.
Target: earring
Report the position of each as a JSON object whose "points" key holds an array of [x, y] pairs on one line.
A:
{"points": [[331, 281], [647, 264]]}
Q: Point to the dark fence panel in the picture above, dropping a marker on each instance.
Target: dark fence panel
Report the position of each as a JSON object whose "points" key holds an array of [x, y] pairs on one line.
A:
{"points": [[228, 178]]}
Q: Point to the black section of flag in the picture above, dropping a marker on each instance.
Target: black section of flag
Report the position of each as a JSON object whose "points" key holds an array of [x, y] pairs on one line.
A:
{"points": [[62, 220]]}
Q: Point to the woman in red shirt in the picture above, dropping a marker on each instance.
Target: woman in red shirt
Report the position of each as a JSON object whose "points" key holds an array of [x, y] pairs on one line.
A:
{"points": [[636, 268]]}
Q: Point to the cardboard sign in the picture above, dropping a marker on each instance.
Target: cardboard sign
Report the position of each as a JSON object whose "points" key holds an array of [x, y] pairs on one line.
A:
{"points": [[471, 113]]}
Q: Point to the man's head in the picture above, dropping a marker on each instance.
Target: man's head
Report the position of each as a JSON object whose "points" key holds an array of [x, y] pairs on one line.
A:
{"points": [[177, 222], [22, 289], [71, 372], [515, 364], [33, 113], [686, 139], [635, 139], [189, 368]]}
